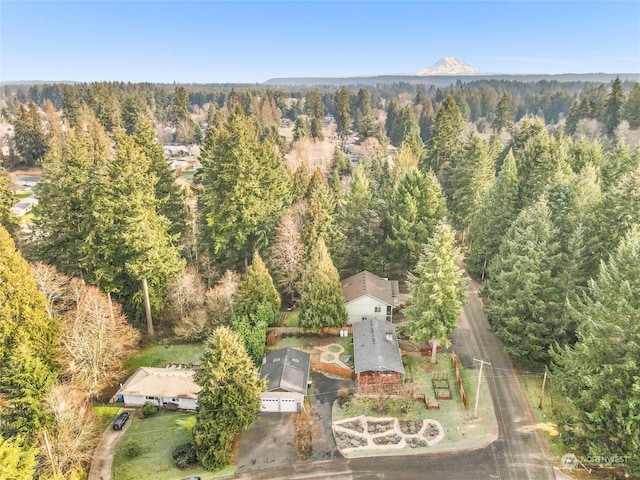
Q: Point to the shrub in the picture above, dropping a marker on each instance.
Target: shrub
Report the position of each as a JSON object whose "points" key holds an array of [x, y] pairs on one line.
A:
{"points": [[303, 437], [380, 406], [149, 409], [344, 398], [132, 449], [184, 455]]}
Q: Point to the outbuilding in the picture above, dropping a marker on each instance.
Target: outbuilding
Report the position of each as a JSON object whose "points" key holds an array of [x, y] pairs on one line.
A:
{"points": [[287, 374]]}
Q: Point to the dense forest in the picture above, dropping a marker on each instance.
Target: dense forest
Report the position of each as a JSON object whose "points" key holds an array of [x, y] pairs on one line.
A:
{"points": [[535, 185]]}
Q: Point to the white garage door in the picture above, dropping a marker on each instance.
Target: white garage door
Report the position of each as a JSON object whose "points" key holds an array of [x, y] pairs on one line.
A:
{"points": [[288, 405], [270, 405]]}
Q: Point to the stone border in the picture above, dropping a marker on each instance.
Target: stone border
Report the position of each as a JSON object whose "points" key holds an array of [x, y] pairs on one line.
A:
{"points": [[367, 437], [324, 352]]}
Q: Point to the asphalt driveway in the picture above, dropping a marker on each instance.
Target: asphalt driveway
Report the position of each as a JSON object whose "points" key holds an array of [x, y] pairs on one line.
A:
{"points": [[268, 443]]}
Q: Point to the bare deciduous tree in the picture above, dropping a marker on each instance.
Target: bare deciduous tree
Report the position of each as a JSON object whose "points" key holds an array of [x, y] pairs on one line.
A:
{"points": [[96, 341], [69, 444], [218, 308], [186, 292], [55, 286], [287, 254]]}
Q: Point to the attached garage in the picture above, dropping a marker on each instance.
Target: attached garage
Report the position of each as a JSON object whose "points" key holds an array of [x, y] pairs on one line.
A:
{"points": [[287, 374]]}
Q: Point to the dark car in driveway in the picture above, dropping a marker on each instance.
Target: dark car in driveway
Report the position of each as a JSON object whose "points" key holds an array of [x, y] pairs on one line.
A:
{"points": [[119, 422]]}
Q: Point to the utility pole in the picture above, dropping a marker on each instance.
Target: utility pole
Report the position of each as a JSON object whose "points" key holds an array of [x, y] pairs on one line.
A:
{"points": [[544, 382], [482, 362]]}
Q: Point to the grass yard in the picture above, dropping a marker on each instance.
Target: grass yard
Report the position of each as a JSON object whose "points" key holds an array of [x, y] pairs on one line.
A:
{"points": [[157, 437], [159, 355], [546, 416], [106, 412], [461, 430], [292, 318]]}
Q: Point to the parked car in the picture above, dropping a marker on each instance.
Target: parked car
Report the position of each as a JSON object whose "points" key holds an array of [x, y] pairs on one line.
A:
{"points": [[118, 423]]}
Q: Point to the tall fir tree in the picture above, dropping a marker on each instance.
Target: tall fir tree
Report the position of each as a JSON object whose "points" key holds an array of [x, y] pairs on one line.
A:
{"points": [[446, 136], [473, 175], [598, 376], [614, 105], [257, 289], [229, 400], [361, 221], [245, 191], [524, 299], [29, 137], [29, 341], [321, 299], [417, 205], [436, 289], [343, 113], [7, 200], [504, 114]]}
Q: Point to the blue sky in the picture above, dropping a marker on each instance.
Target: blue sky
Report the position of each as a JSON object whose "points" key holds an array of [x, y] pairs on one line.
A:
{"points": [[242, 41]]}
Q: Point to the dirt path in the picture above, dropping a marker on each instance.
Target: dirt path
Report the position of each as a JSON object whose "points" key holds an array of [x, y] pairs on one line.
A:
{"points": [[103, 455]]}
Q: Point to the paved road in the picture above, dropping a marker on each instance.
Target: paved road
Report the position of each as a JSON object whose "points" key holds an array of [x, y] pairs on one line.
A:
{"points": [[516, 455]]}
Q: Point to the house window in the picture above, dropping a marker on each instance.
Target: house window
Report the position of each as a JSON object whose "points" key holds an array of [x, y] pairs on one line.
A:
{"points": [[175, 400], [149, 398], [378, 309]]}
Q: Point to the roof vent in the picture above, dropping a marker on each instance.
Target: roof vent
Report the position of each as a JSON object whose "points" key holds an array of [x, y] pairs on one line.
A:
{"points": [[276, 360], [389, 337]]}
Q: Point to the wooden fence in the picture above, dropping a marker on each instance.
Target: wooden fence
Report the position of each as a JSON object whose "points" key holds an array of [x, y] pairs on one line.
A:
{"points": [[279, 331], [463, 396], [332, 368]]}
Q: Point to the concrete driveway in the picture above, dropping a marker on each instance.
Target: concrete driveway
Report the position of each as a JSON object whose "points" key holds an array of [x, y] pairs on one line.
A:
{"points": [[322, 394], [268, 443]]}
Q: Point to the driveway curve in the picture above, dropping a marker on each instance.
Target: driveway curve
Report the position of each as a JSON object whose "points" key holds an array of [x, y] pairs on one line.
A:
{"points": [[106, 449]]}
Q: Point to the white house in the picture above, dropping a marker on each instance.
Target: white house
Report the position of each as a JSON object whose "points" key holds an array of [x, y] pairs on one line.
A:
{"points": [[287, 374], [368, 296], [161, 386]]}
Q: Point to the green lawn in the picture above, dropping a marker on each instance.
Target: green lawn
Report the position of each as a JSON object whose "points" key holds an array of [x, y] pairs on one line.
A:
{"points": [[160, 355], [292, 319], [24, 194], [461, 430], [157, 437], [545, 416], [106, 412]]}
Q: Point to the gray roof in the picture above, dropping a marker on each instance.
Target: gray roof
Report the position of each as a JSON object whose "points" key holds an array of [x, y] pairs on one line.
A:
{"points": [[286, 369], [375, 347], [367, 283]]}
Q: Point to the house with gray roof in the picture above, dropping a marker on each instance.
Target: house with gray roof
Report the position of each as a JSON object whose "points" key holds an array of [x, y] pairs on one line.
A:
{"points": [[287, 374], [368, 296], [377, 357]]}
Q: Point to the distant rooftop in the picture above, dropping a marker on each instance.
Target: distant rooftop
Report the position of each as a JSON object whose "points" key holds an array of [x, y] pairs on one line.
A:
{"points": [[367, 283]]}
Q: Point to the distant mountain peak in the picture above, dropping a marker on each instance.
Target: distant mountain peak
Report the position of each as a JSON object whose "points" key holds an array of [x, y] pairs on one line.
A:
{"points": [[449, 66]]}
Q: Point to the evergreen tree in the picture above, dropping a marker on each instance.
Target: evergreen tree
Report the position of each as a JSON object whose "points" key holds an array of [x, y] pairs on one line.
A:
{"points": [[598, 376], [436, 289], [180, 108], [343, 113], [313, 108], [425, 121], [64, 214], [472, 177], [417, 205], [7, 201], [504, 114], [255, 291], [321, 299], [130, 242], [229, 400], [17, 462], [615, 102], [361, 222], [28, 135], [244, 191], [524, 301], [301, 128], [105, 105], [28, 345], [300, 182], [70, 107], [446, 136], [170, 199], [632, 107], [364, 122]]}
